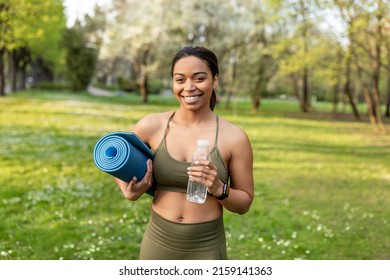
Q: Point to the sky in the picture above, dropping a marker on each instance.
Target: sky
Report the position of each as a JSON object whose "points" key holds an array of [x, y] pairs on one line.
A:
{"points": [[77, 9]]}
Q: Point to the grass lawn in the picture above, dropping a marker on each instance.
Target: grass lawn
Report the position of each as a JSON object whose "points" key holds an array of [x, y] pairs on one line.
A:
{"points": [[322, 185]]}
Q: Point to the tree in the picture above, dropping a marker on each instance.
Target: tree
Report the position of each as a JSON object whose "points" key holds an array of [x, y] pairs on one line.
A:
{"points": [[4, 39], [136, 32], [151, 38], [365, 22], [258, 61], [387, 114], [298, 58], [80, 59], [28, 29]]}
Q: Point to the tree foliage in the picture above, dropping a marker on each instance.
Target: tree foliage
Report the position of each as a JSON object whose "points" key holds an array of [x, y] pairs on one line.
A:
{"points": [[80, 59], [29, 29], [329, 50]]}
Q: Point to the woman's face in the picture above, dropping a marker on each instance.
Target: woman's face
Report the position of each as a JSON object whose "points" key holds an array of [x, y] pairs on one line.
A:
{"points": [[193, 82]]}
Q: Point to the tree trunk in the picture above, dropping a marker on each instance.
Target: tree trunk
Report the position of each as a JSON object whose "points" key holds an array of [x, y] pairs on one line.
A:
{"points": [[2, 76], [369, 107], [143, 77], [12, 71], [377, 112], [255, 103], [347, 88], [234, 74], [305, 90], [295, 86], [23, 77], [24, 60], [143, 84], [335, 97], [375, 65], [336, 88], [387, 114], [388, 82]]}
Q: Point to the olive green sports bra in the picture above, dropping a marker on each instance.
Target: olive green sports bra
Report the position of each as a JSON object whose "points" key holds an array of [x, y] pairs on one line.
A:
{"points": [[171, 174]]}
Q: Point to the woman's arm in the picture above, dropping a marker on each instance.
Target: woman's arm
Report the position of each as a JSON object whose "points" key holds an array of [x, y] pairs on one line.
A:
{"points": [[133, 190], [240, 167], [241, 176]]}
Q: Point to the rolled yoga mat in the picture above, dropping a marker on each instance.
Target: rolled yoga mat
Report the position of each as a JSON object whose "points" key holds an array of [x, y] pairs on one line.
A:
{"points": [[123, 155]]}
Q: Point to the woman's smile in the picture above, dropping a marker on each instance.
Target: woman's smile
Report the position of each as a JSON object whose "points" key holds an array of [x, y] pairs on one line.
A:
{"points": [[190, 99]]}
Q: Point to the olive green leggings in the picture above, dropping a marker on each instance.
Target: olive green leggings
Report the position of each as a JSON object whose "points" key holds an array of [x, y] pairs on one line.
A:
{"points": [[167, 240]]}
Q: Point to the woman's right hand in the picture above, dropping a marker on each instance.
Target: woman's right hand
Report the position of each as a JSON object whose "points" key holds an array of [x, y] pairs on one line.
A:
{"points": [[134, 189]]}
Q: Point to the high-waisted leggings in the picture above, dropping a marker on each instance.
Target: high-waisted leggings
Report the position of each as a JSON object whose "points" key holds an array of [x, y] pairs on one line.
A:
{"points": [[167, 240]]}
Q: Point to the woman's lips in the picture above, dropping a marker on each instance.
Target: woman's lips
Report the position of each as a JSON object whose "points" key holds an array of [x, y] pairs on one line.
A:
{"points": [[191, 98]]}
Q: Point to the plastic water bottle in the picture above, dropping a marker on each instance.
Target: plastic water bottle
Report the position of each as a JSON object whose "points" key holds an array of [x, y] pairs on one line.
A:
{"points": [[196, 192]]}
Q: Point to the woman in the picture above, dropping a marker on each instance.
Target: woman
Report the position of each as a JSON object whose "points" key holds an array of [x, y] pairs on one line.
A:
{"points": [[179, 229]]}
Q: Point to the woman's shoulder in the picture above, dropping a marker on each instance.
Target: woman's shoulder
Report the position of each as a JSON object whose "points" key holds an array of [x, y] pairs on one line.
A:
{"points": [[155, 119], [234, 139], [151, 124], [230, 129]]}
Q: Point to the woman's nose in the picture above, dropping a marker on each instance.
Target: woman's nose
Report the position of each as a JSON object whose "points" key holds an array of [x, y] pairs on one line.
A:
{"points": [[189, 86]]}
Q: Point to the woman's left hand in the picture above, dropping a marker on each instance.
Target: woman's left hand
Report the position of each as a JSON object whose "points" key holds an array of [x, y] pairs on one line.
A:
{"points": [[205, 173]]}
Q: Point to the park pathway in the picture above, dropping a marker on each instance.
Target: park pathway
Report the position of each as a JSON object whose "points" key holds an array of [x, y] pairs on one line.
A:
{"points": [[100, 92]]}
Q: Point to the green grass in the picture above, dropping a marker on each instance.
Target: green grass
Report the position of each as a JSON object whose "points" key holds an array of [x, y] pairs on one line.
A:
{"points": [[322, 185]]}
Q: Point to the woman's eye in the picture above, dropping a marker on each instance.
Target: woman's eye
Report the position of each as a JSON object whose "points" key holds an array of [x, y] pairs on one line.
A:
{"points": [[179, 80], [200, 79]]}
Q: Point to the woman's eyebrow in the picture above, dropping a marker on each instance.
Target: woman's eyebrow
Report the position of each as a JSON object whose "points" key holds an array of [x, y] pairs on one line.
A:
{"points": [[199, 73], [193, 74]]}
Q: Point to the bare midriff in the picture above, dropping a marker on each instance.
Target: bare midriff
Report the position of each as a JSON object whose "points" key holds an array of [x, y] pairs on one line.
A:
{"points": [[174, 207]]}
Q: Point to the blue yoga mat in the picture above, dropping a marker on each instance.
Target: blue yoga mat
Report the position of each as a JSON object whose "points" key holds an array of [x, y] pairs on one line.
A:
{"points": [[123, 155]]}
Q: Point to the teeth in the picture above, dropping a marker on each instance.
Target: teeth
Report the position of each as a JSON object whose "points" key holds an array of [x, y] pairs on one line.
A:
{"points": [[191, 98]]}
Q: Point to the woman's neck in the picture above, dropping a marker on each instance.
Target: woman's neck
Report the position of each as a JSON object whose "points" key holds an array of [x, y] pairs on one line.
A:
{"points": [[190, 118]]}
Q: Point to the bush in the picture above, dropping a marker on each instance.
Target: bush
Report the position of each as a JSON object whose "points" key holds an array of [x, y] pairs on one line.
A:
{"points": [[80, 60], [155, 86], [106, 87], [52, 86], [127, 85]]}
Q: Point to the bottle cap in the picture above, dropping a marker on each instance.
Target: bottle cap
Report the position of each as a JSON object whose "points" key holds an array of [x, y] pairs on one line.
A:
{"points": [[203, 143]]}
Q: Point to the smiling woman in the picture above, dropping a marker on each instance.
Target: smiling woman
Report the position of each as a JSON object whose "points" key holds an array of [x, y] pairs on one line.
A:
{"points": [[197, 77], [178, 228], [192, 81]]}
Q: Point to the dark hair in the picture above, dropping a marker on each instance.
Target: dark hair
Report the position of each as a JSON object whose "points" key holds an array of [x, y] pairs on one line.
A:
{"points": [[204, 54]]}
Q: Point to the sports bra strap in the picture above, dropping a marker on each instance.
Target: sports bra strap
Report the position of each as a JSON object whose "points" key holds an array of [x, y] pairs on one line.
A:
{"points": [[216, 133], [167, 127]]}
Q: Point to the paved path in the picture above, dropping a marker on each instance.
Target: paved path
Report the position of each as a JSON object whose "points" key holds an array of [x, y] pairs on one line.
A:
{"points": [[100, 92]]}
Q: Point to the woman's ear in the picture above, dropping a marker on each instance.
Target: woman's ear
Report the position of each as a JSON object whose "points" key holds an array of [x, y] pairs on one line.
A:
{"points": [[215, 82]]}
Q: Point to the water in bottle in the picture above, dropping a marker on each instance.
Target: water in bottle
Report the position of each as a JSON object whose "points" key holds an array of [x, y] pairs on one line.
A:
{"points": [[196, 192]]}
